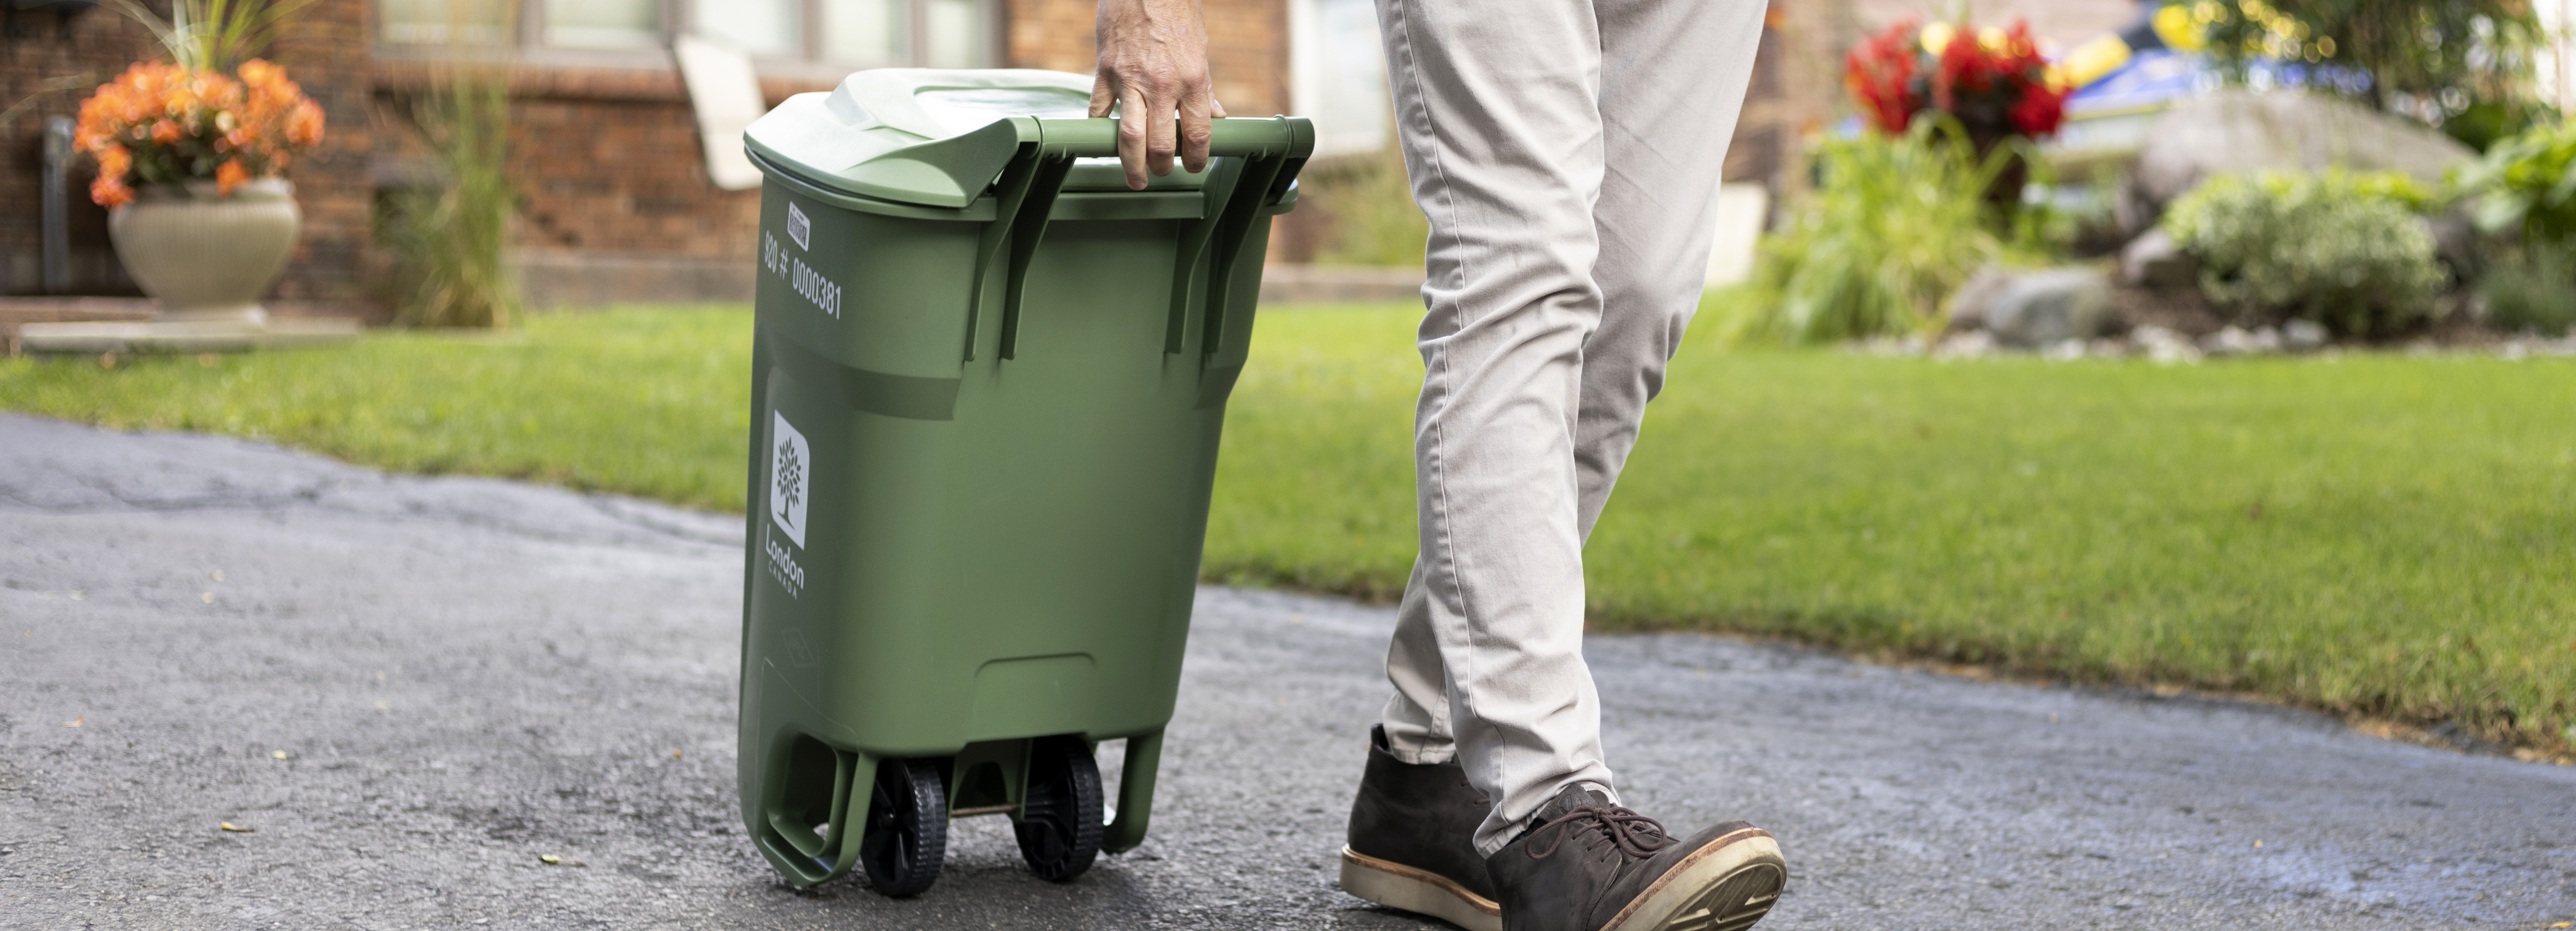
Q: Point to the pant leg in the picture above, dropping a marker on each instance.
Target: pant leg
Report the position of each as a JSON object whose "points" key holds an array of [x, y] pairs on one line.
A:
{"points": [[1500, 109], [1674, 75], [1495, 106]]}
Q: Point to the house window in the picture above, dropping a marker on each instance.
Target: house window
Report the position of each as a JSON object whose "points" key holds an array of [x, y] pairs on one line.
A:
{"points": [[759, 27], [603, 23], [839, 33], [446, 22]]}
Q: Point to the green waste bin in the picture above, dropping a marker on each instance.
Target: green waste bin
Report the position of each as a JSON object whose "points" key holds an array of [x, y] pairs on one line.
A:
{"points": [[987, 385]]}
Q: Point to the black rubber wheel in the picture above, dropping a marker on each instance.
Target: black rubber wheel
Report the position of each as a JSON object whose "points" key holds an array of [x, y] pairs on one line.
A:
{"points": [[1059, 825], [907, 832]]}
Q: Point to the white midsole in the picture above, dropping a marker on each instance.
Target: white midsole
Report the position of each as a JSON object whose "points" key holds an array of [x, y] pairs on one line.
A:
{"points": [[1685, 882], [1395, 885]]}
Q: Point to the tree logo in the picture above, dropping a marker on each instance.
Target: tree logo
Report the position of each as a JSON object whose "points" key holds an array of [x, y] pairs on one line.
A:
{"points": [[791, 468]]}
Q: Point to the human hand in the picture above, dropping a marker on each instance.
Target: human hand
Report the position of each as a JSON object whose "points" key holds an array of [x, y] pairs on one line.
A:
{"points": [[1153, 63]]}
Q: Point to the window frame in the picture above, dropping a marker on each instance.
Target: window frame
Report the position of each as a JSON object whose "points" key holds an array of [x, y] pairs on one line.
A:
{"points": [[527, 45]]}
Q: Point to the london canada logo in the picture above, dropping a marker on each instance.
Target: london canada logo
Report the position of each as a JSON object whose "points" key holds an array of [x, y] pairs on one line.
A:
{"points": [[791, 482]]}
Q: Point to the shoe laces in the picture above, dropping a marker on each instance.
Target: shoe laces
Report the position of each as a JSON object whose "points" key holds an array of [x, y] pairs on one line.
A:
{"points": [[1634, 834]]}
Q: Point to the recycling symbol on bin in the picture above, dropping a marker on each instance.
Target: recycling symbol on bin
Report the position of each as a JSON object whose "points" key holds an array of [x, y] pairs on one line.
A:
{"points": [[790, 479]]}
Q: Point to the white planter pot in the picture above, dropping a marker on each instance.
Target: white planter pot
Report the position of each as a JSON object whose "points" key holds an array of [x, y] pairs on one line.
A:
{"points": [[203, 257]]}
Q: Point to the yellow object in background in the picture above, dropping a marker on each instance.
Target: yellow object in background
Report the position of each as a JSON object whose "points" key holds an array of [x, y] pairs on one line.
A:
{"points": [[2180, 30], [2088, 62], [1937, 36]]}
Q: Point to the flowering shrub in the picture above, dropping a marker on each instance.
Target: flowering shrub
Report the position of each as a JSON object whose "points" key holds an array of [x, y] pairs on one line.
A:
{"points": [[1994, 81], [163, 124], [2344, 250], [1896, 223]]}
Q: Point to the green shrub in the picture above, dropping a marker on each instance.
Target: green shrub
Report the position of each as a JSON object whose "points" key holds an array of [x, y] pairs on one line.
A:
{"points": [[2344, 250], [448, 236], [2526, 183], [1370, 203], [2532, 292], [1894, 226]]}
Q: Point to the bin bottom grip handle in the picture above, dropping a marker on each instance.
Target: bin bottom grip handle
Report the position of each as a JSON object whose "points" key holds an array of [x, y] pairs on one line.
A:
{"points": [[810, 858], [1135, 794]]}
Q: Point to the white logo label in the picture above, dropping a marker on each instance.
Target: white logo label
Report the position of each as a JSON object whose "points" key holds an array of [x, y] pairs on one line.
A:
{"points": [[799, 228], [791, 474]]}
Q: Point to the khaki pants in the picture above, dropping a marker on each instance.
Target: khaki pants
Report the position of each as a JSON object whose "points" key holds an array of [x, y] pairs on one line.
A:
{"points": [[1567, 153]]}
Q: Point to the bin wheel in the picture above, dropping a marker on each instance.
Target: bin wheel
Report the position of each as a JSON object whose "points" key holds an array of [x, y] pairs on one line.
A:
{"points": [[1059, 827], [907, 833]]}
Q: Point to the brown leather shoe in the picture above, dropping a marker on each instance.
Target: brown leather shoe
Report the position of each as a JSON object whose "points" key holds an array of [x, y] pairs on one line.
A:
{"points": [[1412, 841], [1586, 865]]}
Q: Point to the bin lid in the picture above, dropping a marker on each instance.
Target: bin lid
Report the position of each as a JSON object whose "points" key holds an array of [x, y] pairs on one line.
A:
{"points": [[930, 136]]}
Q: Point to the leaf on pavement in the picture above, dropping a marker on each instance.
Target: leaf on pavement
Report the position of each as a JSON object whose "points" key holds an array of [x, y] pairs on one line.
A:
{"points": [[235, 828]]}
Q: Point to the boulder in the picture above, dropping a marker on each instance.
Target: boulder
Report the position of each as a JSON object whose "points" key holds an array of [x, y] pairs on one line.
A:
{"points": [[2153, 261], [2034, 309], [1968, 304], [2239, 131], [2303, 335], [2457, 243]]}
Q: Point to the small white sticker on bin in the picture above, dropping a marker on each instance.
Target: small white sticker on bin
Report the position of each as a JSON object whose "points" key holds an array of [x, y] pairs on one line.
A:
{"points": [[799, 228], [791, 476]]}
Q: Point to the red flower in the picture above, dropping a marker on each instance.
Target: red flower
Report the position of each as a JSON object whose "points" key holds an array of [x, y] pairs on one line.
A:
{"points": [[1993, 81], [2040, 111], [1881, 74]]}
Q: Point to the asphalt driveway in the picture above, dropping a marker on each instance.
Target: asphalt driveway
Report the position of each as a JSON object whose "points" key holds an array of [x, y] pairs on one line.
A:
{"points": [[411, 690]]}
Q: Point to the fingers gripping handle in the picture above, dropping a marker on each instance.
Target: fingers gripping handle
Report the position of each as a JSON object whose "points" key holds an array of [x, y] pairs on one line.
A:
{"points": [[1288, 136]]}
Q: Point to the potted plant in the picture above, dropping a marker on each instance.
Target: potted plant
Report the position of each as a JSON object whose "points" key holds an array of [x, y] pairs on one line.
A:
{"points": [[1993, 82], [192, 155]]}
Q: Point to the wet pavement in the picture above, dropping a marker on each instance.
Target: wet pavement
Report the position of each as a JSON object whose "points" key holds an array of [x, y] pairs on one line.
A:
{"points": [[412, 689]]}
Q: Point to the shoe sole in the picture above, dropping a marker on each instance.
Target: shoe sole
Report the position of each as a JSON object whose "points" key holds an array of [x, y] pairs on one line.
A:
{"points": [[1725, 886], [1396, 885]]}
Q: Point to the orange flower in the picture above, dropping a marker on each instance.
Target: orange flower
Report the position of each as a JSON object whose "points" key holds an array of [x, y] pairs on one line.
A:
{"points": [[139, 124], [109, 191], [304, 123]]}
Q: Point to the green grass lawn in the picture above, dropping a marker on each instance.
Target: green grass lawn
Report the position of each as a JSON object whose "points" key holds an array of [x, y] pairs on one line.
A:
{"points": [[2384, 536]]}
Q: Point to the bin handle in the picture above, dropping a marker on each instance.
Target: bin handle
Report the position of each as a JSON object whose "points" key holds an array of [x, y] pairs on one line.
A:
{"points": [[1258, 159]]}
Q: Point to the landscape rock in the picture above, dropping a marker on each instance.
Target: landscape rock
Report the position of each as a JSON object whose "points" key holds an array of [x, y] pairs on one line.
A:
{"points": [[2165, 347], [1968, 304], [2303, 336], [2033, 310], [2238, 341], [2153, 261], [2240, 131], [1973, 344], [2457, 242]]}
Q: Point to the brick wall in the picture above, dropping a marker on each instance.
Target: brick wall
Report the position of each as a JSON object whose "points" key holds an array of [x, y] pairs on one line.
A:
{"points": [[91, 47], [1247, 46], [328, 53]]}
